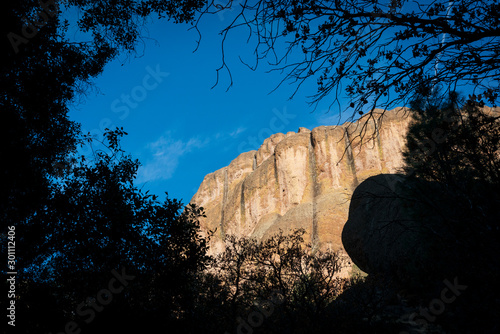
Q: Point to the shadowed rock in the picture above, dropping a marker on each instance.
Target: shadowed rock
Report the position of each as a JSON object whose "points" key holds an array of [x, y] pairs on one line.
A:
{"points": [[406, 228]]}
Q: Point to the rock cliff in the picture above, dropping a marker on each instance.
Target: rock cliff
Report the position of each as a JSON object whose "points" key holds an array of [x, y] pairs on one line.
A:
{"points": [[304, 179]]}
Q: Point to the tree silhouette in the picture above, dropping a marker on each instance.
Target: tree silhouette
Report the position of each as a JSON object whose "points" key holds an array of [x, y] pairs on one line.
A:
{"points": [[280, 281], [43, 70], [453, 141], [378, 52], [456, 143], [78, 220], [96, 221]]}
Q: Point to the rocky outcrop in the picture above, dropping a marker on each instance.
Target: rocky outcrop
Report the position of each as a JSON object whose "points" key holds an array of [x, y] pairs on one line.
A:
{"points": [[301, 180]]}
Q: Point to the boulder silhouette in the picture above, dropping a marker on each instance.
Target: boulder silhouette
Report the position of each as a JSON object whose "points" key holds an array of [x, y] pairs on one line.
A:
{"points": [[403, 228]]}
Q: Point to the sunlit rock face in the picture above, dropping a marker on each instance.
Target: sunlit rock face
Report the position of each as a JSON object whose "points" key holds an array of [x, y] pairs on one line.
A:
{"points": [[304, 179]]}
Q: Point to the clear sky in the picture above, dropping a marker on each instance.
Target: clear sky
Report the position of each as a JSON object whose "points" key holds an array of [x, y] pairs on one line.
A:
{"points": [[178, 126]]}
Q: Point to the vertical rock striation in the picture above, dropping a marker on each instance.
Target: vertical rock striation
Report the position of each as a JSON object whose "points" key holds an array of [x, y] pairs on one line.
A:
{"points": [[302, 179]]}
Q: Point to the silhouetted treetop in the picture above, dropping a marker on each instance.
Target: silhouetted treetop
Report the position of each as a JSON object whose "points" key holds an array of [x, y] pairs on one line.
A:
{"points": [[44, 68], [453, 141]]}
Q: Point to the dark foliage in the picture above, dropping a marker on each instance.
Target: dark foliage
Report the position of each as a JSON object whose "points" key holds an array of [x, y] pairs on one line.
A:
{"points": [[453, 141], [275, 286], [456, 143], [96, 221], [43, 70], [78, 220]]}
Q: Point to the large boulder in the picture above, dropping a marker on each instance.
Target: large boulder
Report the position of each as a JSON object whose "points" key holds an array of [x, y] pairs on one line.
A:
{"points": [[404, 228]]}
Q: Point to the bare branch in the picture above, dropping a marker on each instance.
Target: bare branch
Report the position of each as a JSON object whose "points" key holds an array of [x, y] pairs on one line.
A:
{"points": [[380, 53]]}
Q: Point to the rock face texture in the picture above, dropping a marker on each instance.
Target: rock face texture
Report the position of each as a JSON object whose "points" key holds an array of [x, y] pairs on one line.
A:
{"points": [[301, 180]]}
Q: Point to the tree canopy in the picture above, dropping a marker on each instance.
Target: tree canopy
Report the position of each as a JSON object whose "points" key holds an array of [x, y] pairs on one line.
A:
{"points": [[456, 143], [453, 141], [378, 53], [79, 219], [93, 222], [45, 69]]}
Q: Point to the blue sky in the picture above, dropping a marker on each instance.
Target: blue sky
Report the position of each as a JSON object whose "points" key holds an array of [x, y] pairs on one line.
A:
{"points": [[178, 126]]}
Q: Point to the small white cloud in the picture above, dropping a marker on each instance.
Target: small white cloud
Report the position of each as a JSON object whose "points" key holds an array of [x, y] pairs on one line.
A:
{"points": [[166, 153], [236, 132]]}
